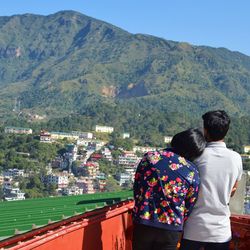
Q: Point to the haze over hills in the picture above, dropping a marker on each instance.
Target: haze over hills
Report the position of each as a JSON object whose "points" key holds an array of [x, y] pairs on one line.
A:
{"points": [[69, 63]]}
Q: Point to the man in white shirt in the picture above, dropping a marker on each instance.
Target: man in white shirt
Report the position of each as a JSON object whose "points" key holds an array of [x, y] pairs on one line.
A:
{"points": [[220, 170]]}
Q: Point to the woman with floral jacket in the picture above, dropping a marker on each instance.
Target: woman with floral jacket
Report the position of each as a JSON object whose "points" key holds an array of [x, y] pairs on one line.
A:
{"points": [[165, 191]]}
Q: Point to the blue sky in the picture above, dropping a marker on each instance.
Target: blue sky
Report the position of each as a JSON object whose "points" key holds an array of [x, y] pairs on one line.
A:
{"points": [[216, 23]]}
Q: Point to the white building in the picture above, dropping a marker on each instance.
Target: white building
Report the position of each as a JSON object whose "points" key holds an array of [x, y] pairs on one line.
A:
{"points": [[61, 135], [45, 136], [246, 149], [83, 142], [91, 144], [124, 178], [18, 130], [107, 154], [83, 135], [128, 158], [168, 139], [87, 184], [14, 194], [59, 180], [71, 152], [74, 190], [125, 135], [14, 172], [131, 170], [143, 149], [104, 129]]}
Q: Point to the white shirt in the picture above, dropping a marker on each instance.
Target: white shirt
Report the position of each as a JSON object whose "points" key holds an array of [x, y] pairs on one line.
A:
{"points": [[219, 169]]}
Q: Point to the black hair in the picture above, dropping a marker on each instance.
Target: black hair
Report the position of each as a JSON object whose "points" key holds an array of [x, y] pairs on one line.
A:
{"points": [[189, 143], [216, 124]]}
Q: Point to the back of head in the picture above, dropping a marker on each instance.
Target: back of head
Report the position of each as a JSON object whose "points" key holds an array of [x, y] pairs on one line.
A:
{"points": [[216, 123], [189, 143]]}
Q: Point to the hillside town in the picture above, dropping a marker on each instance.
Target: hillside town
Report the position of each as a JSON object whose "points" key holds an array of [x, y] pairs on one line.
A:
{"points": [[78, 171]]}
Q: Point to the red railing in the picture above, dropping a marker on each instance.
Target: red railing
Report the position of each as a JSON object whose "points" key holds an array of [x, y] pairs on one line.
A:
{"points": [[241, 232], [108, 228]]}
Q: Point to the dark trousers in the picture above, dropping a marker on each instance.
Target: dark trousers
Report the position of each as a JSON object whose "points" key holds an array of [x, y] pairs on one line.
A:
{"points": [[152, 238], [197, 245]]}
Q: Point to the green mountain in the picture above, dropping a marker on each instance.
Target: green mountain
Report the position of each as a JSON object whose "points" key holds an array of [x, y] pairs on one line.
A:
{"points": [[69, 63]]}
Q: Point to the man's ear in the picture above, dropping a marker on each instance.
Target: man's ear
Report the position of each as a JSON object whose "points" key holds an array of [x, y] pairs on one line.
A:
{"points": [[204, 131], [206, 135]]}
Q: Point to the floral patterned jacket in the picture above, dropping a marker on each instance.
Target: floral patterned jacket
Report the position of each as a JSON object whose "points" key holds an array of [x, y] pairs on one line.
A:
{"points": [[165, 190]]}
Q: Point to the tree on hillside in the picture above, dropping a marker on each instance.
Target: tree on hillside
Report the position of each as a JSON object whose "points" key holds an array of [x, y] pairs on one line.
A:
{"points": [[112, 185], [106, 166], [33, 187], [1, 192], [33, 193], [51, 189], [118, 142], [35, 182]]}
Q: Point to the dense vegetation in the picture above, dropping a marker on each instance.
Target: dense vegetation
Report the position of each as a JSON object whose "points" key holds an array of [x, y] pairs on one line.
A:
{"points": [[26, 152], [146, 128]]}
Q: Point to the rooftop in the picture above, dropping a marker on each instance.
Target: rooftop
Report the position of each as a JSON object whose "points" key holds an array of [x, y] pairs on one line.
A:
{"points": [[22, 216]]}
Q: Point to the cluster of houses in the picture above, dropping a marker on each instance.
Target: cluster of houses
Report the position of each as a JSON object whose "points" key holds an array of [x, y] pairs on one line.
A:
{"points": [[10, 186], [84, 169], [78, 170], [74, 173]]}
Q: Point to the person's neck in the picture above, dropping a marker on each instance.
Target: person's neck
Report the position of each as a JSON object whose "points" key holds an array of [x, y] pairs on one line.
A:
{"points": [[215, 141]]}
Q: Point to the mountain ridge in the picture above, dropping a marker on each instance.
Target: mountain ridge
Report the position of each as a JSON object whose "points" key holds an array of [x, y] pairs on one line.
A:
{"points": [[67, 63]]}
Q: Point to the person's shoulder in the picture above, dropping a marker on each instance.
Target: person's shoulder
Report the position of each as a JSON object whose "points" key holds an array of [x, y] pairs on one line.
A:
{"points": [[153, 157], [225, 151], [206, 152], [162, 155], [230, 152], [192, 166], [234, 154]]}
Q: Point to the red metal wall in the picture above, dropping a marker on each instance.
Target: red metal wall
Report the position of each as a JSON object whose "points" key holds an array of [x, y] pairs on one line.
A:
{"points": [[241, 232], [109, 228], [109, 234]]}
